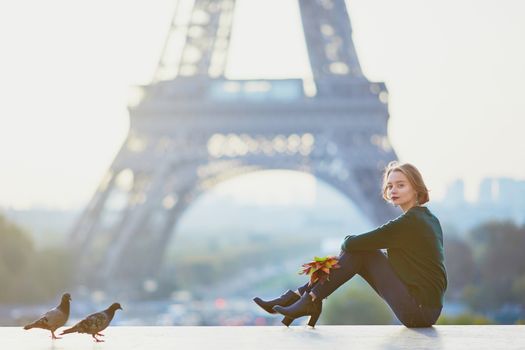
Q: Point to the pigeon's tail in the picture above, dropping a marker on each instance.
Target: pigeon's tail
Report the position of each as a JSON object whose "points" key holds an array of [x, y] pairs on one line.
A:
{"points": [[37, 324], [70, 330]]}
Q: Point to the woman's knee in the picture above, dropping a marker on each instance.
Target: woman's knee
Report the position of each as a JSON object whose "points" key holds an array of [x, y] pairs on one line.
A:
{"points": [[346, 256], [356, 259]]}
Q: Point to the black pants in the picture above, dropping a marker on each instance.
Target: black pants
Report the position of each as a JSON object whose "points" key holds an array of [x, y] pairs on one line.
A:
{"points": [[375, 268]]}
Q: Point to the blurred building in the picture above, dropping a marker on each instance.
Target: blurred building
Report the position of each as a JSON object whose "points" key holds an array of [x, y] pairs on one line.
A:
{"points": [[498, 199]]}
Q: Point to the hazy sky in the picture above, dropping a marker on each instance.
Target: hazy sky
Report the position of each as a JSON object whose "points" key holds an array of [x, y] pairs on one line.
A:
{"points": [[454, 69]]}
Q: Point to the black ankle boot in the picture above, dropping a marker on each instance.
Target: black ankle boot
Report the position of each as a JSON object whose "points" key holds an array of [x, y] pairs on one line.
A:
{"points": [[286, 299], [304, 307]]}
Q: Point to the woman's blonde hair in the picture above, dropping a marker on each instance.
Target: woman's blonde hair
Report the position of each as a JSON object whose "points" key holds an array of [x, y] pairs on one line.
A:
{"points": [[414, 177]]}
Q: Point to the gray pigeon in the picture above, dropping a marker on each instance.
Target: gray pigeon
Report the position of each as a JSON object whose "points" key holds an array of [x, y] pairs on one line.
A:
{"points": [[95, 323], [55, 318]]}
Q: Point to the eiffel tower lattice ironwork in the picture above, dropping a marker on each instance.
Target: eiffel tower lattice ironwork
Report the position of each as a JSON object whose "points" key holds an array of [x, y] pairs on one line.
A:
{"points": [[194, 128]]}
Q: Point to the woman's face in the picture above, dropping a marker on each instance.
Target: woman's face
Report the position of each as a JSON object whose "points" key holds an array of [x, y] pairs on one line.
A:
{"points": [[400, 191]]}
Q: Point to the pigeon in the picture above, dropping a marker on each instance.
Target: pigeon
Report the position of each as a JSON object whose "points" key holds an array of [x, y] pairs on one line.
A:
{"points": [[95, 323], [54, 318]]}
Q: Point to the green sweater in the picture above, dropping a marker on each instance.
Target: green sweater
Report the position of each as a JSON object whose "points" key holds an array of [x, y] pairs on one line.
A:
{"points": [[414, 242]]}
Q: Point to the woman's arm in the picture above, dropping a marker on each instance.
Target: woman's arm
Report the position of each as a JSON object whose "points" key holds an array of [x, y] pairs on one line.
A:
{"points": [[385, 236]]}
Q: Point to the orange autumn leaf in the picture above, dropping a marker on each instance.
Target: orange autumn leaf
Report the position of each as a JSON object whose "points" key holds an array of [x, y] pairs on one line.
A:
{"points": [[319, 269]]}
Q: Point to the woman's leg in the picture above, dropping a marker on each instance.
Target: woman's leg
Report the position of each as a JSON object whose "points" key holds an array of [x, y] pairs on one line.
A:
{"points": [[375, 268], [304, 288], [350, 264]]}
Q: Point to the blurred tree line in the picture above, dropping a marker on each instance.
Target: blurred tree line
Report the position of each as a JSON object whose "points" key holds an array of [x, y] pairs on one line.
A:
{"points": [[486, 272], [26, 274], [215, 261], [486, 268]]}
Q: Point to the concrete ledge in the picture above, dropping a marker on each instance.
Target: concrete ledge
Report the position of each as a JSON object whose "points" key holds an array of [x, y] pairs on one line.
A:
{"points": [[264, 338]]}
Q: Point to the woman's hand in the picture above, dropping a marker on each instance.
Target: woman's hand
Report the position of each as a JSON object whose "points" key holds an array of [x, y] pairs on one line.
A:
{"points": [[343, 244]]}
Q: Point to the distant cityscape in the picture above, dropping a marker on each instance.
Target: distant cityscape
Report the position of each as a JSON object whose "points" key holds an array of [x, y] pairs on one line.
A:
{"points": [[330, 217], [498, 199]]}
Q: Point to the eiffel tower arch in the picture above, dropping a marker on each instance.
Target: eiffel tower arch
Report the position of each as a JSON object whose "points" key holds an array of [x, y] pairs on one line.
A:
{"points": [[194, 128]]}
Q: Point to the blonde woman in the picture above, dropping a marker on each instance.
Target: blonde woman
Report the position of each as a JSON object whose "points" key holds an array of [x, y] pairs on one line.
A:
{"points": [[411, 277]]}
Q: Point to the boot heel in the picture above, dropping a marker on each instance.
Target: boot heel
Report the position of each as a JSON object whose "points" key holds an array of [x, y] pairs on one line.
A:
{"points": [[313, 319], [287, 321]]}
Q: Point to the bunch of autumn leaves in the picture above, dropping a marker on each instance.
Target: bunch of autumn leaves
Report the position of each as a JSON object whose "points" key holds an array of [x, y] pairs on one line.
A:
{"points": [[319, 269]]}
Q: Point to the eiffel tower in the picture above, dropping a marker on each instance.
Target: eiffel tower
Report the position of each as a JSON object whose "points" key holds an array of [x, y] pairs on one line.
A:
{"points": [[193, 128]]}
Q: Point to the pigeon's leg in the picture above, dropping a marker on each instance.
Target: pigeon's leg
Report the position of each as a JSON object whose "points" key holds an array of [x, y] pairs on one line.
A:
{"points": [[53, 336], [96, 339], [99, 334]]}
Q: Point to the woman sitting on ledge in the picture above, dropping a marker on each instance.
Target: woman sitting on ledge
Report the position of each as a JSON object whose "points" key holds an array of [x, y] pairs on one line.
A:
{"points": [[411, 278]]}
